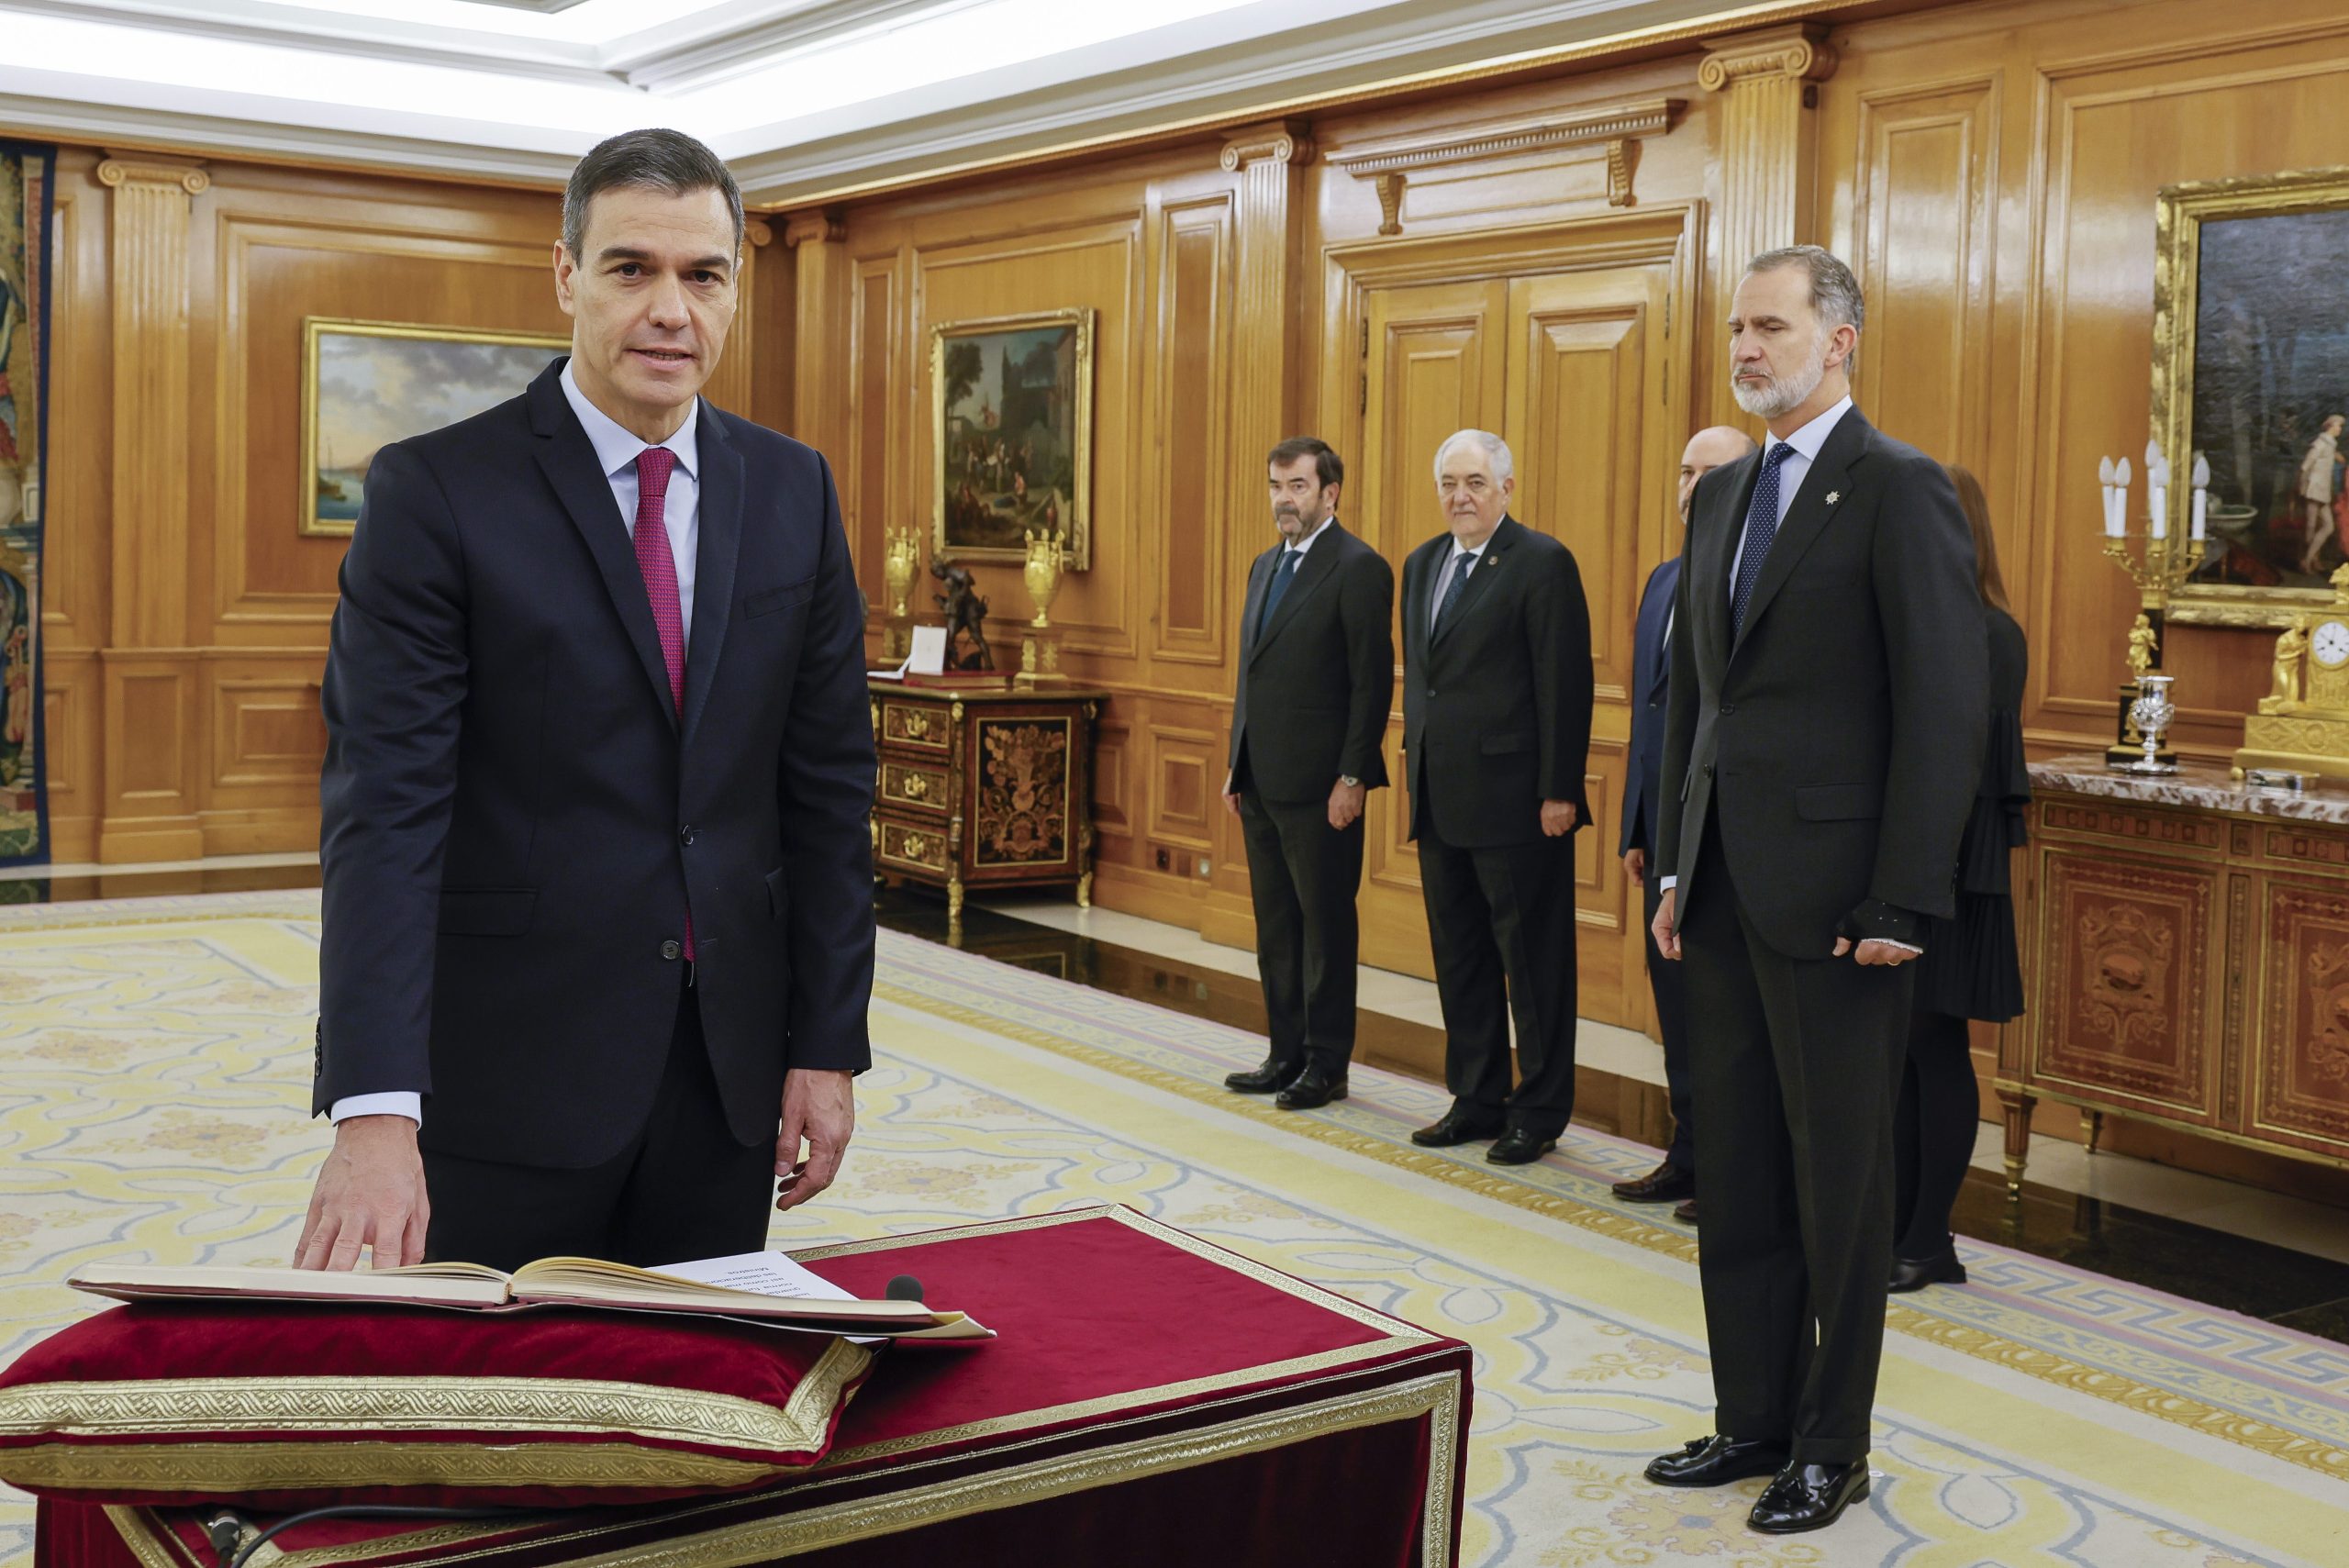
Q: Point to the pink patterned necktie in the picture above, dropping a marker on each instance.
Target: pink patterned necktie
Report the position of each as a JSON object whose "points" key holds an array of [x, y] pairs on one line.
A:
{"points": [[654, 466]]}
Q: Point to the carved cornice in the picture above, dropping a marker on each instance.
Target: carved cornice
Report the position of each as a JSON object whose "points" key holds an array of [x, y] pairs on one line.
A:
{"points": [[822, 227], [758, 230], [1793, 54], [147, 169], [1651, 116], [1290, 142]]}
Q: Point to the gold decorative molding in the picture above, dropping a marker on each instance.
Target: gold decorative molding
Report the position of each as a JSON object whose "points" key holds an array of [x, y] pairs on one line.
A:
{"points": [[758, 232], [1286, 142], [823, 226], [148, 168], [1427, 150], [1609, 132], [1798, 53]]}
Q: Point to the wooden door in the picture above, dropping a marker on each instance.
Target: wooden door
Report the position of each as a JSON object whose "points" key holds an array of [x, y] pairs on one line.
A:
{"points": [[1569, 368]]}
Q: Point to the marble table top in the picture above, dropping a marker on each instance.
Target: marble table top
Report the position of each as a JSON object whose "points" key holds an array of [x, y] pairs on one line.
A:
{"points": [[2205, 786]]}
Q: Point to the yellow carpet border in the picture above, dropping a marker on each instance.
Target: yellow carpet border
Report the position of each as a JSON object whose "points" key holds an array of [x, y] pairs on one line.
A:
{"points": [[2160, 1402]]}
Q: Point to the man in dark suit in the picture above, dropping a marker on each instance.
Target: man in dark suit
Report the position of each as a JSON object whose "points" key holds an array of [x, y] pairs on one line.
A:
{"points": [[1675, 1180], [1497, 696], [599, 907], [1317, 676], [1829, 698]]}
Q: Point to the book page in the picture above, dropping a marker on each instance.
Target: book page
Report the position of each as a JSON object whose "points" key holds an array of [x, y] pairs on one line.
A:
{"points": [[466, 1285], [761, 1274]]}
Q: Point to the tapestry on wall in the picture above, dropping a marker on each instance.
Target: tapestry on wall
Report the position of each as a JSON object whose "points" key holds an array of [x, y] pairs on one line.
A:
{"points": [[25, 215]]}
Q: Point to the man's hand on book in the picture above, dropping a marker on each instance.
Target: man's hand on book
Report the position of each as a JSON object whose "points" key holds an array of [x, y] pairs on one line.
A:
{"points": [[369, 1195], [820, 1107]]}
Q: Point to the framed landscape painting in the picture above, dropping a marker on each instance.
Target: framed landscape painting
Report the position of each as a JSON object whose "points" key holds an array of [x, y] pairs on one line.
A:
{"points": [[1012, 424], [2251, 371], [368, 383]]}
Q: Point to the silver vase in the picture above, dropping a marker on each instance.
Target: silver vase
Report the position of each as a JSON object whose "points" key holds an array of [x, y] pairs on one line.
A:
{"points": [[2151, 713]]}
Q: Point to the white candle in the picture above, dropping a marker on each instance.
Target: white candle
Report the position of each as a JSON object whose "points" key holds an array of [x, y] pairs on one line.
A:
{"points": [[2121, 498], [2201, 492], [2104, 490]]}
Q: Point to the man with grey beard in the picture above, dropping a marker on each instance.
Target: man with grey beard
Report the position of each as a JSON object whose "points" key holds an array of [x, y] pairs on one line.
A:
{"points": [[1829, 700], [1317, 680]]}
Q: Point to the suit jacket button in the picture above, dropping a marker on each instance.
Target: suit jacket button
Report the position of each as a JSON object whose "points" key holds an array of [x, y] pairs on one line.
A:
{"points": [[672, 949], [686, 835], [1726, 708]]}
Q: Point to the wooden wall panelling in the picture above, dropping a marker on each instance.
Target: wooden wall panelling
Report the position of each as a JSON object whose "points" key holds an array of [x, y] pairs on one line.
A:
{"points": [[1767, 83], [876, 492], [1208, 497], [821, 332], [769, 345], [2300, 1030]]}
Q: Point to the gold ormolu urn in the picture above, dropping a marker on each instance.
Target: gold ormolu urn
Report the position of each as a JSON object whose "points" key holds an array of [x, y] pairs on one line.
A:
{"points": [[1039, 655], [899, 566]]}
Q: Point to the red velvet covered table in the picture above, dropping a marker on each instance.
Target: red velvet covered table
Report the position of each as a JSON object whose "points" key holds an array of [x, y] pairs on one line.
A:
{"points": [[1152, 1401]]}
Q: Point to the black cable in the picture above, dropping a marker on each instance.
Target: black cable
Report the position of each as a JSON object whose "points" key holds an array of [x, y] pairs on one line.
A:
{"points": [[232, 1527]]}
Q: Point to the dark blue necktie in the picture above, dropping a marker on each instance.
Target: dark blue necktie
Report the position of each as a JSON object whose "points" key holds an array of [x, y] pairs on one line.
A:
{"points": [[1452, 589], [1282, 574], [1760, 528]]}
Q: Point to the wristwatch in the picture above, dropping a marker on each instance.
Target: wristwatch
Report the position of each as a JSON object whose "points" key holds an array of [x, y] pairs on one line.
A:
{"points": [[1350, 781]]}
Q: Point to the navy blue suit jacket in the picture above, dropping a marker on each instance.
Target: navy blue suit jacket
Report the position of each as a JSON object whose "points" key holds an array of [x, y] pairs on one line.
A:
{"points": [[1651, 694], [513, 812]]}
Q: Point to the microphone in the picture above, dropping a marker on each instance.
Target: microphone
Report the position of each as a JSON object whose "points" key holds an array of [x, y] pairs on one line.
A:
{"points": [[905, 1287]]}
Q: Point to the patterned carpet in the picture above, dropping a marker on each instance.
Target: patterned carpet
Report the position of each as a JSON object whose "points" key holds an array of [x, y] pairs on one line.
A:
{"points": [[154, 1060]]}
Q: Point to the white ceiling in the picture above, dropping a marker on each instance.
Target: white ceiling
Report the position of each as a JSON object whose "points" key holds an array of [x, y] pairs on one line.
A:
{"points": [[803, 98]]}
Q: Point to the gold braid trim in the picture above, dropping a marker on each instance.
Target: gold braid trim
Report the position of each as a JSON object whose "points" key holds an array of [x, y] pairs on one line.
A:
{"points": [[234, 1469]]}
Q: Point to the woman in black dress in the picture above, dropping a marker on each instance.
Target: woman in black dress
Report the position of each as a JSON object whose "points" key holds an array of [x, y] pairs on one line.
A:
{"points": [[1970, 968]]}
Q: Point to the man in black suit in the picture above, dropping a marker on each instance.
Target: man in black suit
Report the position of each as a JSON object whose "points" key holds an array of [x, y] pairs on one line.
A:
{"points": [[1829, 699], [1497, 696], [1675, 1180], [1317, 676], [598, 897]]}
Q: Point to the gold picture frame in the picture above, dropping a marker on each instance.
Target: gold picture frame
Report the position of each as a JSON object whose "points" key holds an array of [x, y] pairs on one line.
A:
{"points": [[1003, 465], [2252, 454], [437, 374]]}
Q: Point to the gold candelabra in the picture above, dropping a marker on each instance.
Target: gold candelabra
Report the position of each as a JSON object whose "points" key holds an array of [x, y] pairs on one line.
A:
{"points": [[2157, 564]]}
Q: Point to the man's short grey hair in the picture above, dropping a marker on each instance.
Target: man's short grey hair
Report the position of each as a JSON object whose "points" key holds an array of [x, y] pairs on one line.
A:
{"points": [[650, 160], [1495, 449], [1834, 292]]}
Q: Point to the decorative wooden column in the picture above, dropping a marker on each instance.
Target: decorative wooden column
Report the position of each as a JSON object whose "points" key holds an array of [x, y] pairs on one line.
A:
{"points": [[1768, 84], [1268, 385], [819, 344], [151, 702]]}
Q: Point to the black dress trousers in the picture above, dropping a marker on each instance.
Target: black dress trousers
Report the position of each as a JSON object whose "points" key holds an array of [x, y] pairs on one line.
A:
{"points": [[684, 1188], [1797, 1068], [1502, 921], [1303, 875]]}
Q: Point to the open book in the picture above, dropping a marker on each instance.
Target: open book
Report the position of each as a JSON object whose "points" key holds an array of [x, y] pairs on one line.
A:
{"points": [[549, 1282]]}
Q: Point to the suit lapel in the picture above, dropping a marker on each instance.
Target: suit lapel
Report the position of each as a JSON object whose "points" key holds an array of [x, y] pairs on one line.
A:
{"points": [[568, 458], [1259, 574], [1417, 567], [1319, 562], [714, 559], [1807, 516], [1480, 580], [1712, 544]]}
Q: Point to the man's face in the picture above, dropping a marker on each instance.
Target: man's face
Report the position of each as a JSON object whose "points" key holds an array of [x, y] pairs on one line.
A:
{"points": [[1473, 499], [1707, 450], [1300, 502], [2332, 425], [649, 301], [1778, 351]]}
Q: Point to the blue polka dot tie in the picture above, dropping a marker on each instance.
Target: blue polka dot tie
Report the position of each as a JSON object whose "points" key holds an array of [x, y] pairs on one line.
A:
{"points": [[1760, 528]]}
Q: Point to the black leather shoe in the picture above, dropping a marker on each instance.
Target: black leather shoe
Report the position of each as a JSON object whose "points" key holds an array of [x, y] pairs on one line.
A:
{"points": [[1519, 1147], [1314, 1087], [1458, 1125], [1667, 1184], [1271, 1078], [1715, 1462], [1808, 1497], [1907, 1274], [1685, 1212]]}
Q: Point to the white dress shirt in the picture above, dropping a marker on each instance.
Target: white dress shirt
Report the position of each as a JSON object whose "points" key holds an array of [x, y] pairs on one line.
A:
{"points": [[616, 452]]}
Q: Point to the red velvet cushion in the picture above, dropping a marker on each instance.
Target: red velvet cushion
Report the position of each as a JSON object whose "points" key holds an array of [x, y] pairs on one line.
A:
{"points": [[291, 1406]]}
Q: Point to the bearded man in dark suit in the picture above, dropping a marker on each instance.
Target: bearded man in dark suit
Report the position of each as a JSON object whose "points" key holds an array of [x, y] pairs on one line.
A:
{"points": [[598, 897], [1317, 680], [1830, 702], [1496, 700]]}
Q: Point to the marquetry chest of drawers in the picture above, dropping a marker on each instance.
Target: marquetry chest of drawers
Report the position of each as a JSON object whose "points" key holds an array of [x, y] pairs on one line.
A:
{"points": [[983, 787], [2187, 958]]}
